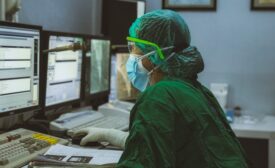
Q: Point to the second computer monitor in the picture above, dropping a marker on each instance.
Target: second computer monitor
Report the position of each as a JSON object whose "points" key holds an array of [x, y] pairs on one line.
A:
{"points": [[99, 66], [64, 69], [97, 70]]}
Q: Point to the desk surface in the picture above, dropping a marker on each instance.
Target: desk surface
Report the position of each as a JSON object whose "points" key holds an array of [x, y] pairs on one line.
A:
{"points": [[263, 128]]}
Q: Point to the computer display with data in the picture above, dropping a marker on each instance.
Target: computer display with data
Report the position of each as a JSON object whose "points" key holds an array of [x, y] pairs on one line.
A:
{"points": [[64, 71], [100, 66], [19, 67]]}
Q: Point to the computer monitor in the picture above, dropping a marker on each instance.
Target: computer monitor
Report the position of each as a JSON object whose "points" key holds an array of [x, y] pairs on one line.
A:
{"points": [[64, 67], [97, 63], [19, 68], [117, 17]]}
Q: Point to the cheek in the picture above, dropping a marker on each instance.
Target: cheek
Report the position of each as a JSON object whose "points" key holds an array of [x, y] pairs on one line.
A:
{"points": [[147, 64]]}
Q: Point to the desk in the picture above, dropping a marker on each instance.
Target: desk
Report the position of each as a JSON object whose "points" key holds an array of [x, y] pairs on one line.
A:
{"points": [[262, 129]]}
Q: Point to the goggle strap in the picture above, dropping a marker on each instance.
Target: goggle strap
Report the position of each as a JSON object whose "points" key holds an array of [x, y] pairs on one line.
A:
{"points": [[152, 52], [170, 56]]}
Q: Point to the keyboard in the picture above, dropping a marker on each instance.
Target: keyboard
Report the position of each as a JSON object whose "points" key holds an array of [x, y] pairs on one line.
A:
{"points": [[111, 122], [86, 117], [20, 146], [116, 105], [105, 122]]}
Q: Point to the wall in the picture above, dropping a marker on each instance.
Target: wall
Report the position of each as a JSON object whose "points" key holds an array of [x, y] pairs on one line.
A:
{"points": [[80, 16], [238, 46]]}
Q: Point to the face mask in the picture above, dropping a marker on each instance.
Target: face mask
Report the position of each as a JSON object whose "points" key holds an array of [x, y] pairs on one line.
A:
{"points": [[137, 73]]}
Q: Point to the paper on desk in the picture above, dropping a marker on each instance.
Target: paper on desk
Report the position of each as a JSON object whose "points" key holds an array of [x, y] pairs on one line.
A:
{"points": [[99, 156]]}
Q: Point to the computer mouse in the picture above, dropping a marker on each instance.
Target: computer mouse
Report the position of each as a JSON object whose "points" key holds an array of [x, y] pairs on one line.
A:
{"points": [[76, 139]]}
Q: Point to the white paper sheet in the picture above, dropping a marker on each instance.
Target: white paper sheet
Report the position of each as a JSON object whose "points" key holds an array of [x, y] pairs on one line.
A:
{"points": [[100, 156]]}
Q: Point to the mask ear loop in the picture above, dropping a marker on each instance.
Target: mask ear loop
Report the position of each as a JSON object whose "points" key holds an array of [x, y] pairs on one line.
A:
{"points": [[153, 52], [155, 68], [146, 55]]}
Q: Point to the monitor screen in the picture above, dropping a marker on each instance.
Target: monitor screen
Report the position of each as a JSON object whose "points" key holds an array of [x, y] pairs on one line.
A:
{"points": [[99, 66], [19, 68], [64, 71]]}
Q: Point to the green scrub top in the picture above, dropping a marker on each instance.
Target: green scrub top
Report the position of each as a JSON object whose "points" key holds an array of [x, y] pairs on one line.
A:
{"points": [[179, 124]]}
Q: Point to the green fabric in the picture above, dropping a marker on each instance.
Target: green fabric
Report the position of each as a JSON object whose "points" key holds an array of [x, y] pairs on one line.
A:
{"points": [[185, 65], [179, 124], [166, 28], [163, 27]]}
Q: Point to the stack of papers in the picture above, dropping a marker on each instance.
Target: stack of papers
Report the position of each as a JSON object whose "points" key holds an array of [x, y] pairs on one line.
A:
{"points": [[72, 156]]}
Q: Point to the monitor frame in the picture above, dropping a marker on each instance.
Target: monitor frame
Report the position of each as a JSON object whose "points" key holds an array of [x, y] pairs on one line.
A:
{"points": [[38, 107], [45, 45], [102, 97], [105, 13]]}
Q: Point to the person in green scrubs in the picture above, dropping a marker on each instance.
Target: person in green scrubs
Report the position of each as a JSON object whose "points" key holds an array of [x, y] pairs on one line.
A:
{"points": [[176, 121]]}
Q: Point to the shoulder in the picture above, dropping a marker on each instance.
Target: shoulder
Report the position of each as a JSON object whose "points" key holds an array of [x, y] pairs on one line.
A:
{"points": [[168, 87], [166, 93]]}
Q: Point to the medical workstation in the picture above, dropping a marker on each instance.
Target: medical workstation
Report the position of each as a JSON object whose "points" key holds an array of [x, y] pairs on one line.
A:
{"points": [[74, 94]]}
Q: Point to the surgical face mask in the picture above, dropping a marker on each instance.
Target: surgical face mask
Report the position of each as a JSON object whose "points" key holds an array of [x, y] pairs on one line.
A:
{"points": [[137, 73]]}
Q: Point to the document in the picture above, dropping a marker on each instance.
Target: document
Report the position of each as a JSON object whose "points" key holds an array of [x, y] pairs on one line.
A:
{"points": [[80, 155]]}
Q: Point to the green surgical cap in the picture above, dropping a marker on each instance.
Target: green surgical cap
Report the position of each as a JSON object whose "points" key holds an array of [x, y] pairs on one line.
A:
{"points": [[163, 27], [167, 28]]}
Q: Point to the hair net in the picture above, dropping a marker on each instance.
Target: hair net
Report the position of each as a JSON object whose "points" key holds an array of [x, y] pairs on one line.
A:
{"points": [[167, 28]]}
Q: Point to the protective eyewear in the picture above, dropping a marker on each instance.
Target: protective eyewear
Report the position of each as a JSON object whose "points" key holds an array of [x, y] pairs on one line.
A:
{"points": [[132, 41]]}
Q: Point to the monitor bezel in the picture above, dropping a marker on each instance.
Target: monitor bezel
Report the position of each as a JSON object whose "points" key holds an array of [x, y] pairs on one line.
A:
{"points": [[105, 13], [94, 97], [45, 43], [38, 107]]}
